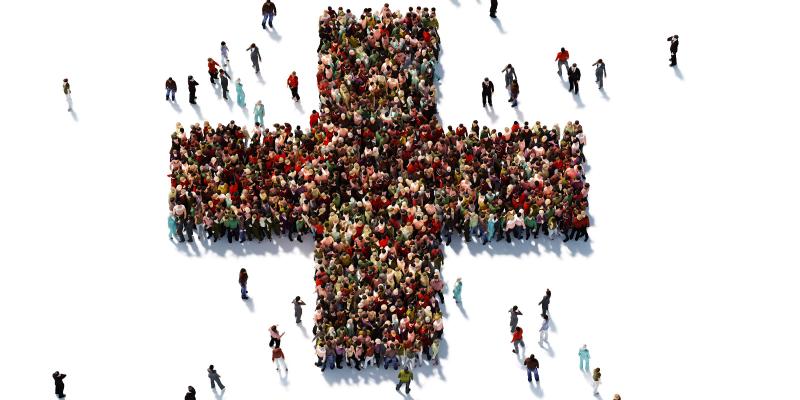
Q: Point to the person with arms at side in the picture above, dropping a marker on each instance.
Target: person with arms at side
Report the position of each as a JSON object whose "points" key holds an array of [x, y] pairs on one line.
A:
{"points": [[191, 394], [243, 283], [223, 52], [223, 81], [269, 11], [405, 376], [240, 93], [293, 84], [258, 113], [532, 365], [583, 355], [192, 90], [493, 9], [68, 93], [596, 380], [574, 76], [599, 73], [563, 59], [171, 87], [487, 89], [545, 302]]}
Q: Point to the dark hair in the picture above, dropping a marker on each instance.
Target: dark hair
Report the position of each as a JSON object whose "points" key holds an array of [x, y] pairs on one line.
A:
{"points": [[562, 49]]}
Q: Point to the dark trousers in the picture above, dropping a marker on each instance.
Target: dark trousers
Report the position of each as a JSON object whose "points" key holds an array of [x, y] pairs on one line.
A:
{"points": [[225, 90], [192, 97], [295, 95], [487, 97], [276, 342], [400, 384], [232, 233], [573, 84], [673, 59], [581, 232], [213, 76], [493, 8]]}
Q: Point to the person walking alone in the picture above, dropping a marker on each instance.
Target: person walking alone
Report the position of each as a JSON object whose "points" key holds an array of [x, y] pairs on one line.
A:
{"points": [[279, 359], [223, 53], [274, 336], [516, 339], [213, 376], [563, 59], [223, 81], [574, 76], [545, 302], [457, 291], [515, 313], [405, 376], [171, 87], [514, 93], [212, 70], [243, 283], [493, 9], [191, 394], [599, 73], [255, 57], [293, 84], [58, 378], [596, 380], [258, 113], [298, 310], [673, 50], [487, 89], [192, 90], [543, 330], [240, 93], [67, 93], [532, 365], [583, 355], [269, 11]]}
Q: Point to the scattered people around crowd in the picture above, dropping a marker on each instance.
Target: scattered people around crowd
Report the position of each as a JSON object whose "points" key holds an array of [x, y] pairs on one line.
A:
{"points": [[58, 378], [457, 290], [487, 90], [192, 90], [269, 11], [532, 366], [596, 380], [68, 93], [509, 75], [583, 355], [258, 113], [223, 53], [544, 328], [515, 313], [292, 83], [574, 76], [298, 308], [279, 358], [223, 81], [599, 72], [275, 336], [516, 339], [213, 376], [212, 70], [493, 8], [243, 283], [514, 90], [191, 394], [171, 87], [562, 57], [673, 50], [255, 57], [240, 93], [545, 302], [405, 376]]}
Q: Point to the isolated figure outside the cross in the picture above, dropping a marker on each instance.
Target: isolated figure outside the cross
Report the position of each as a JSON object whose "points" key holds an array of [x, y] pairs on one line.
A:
{"points": [[274, 336], [292, 83], [258, 113], [240, 93], [457, 291], [487, 90], [255, 56], [583, 355], [243, 283], [515, 313], [516, 339], [298, 310]]}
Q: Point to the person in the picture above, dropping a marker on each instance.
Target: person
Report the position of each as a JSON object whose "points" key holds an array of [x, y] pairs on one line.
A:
{"points": [[213, 376], [292, 82], [212, 70], [258, 113], [543, 330], [616, 397], [223, 52], [596, 380], [58, 377], [192, 90], [269, 11], [171, 87], [563, 59], [545, 302], [298, 310], [279, 359], [583, 355], [190, 394], [673, 50], [514, 93], [243, 283], [516, 339], [240, 93], [457, 291], [67, 93], [255, 57], [487, 89], [532, 365], [515, 313], [274, 336], [493, 9], [173, 229], [574, 76], [223, 81], [404, 376], [510, 75], [599, 72]]}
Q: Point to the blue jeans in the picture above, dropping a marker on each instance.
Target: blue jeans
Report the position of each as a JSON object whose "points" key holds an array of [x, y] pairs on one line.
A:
{"points": [[535, 374], [328, 363], [267, 19], [170, 93], [244, 291], [392, 360]]}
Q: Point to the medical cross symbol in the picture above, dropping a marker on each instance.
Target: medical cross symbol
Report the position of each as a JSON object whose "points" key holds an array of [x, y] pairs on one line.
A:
{"points": [[379, 182]]}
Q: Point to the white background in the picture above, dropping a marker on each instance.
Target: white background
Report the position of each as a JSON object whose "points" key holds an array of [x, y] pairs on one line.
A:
{"points": [[687, 289]]}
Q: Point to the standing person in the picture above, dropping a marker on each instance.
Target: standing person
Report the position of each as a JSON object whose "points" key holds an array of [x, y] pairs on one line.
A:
{"points": [[223, 52], [192, 90], [293, 83], [493, 9], [243, 282], [405, 376], [298, 310], [240, 93], [543, 330], [563, 59], [583, 354], [58, 377], [515, 313], [596, 380], [574, 76], [514, 93], [173, 227], [532, 365], [223, 80], [617, 397], [213, 375], [599, 73], [673, 50], [269, 11], [279, 359], [487, 89], [516, 339], [67, 93], [457, 291], [255, 57], [190, 394], [171, 87], [258, 113], [510, 75], [545, 302], [274, 336], [212, 70]]}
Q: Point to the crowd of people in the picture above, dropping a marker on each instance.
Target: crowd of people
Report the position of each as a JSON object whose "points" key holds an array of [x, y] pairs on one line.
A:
{"points": [[380, 184]]}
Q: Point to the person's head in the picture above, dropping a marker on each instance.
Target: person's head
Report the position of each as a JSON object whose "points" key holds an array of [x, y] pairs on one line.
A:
{"points": [[191, 77], [574, 65], [209, 59], [509, 66], [191, 390], [169, 79], [616, 397], [597, 370], [242, 271], [676, 37], [222, 43], [486, 79], [563, 50], [405, 368], [55, 374], [273, 328], [547, 292], [211, 367], [517, 329], [583, 347], [515, 308], [599, 60], [294, 73], [66, 80], [297, 298]]}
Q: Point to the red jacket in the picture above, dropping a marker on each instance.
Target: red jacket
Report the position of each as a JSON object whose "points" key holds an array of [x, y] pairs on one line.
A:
{"points": [[517, 335], [292, 81], [277, 353], [212, 66], [562, 55], [313, 119]]}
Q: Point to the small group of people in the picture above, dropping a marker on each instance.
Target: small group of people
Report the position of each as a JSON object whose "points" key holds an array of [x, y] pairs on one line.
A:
{"points": [[574, 73]]}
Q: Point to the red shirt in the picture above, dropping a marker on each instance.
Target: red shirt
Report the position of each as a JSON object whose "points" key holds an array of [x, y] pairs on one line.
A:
{"points": [[292, 81], [562, 55]]}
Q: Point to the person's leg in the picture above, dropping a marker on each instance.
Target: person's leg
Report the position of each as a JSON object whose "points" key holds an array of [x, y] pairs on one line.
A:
{"points": [[536, 374], [270, 19], [576, 86], [529, 374], [264, 22], [483, 99], [490, 101], [408, 388], [399, 384]]}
